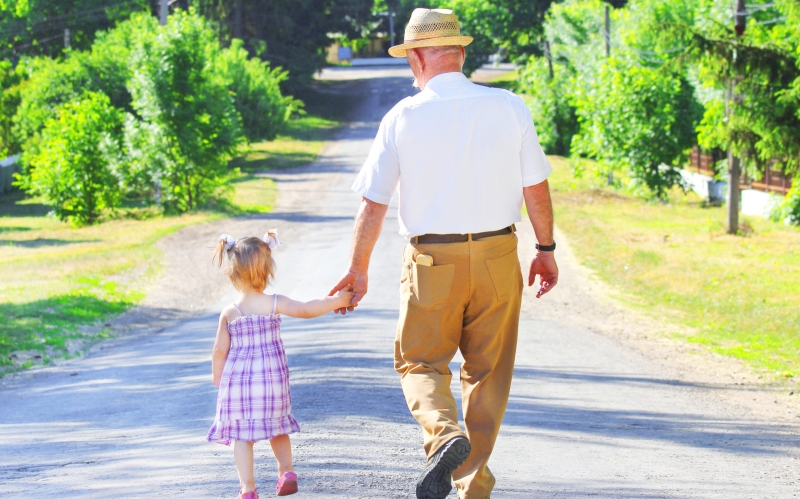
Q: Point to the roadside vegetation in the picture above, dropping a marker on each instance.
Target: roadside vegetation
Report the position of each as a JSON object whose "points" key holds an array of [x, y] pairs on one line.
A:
{"points": [[639, 102], [740, 295], [62, 283]]}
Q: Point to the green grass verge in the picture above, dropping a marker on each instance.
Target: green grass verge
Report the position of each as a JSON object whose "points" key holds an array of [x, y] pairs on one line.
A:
{"points": [[60, 284], [739, 294]]}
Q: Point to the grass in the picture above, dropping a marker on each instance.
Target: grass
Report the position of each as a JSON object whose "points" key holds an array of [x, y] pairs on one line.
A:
{"points": [[62, 284], [740, 295]]}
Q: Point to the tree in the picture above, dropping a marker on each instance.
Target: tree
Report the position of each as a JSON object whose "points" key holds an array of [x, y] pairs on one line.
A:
{"points": [[292, 34], [256, 93], [512, 28], [548, 99], [9, 101], [36, 27], [186, 126], [72, 161], [646, 135]]}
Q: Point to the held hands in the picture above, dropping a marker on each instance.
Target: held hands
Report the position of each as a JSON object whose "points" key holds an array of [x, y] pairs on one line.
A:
{"points": [[543, 265], [353, 283], [345, 297]]}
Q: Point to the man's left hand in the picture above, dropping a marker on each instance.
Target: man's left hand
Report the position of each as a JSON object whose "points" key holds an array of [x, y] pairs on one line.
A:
{"points": [[543, 265]]}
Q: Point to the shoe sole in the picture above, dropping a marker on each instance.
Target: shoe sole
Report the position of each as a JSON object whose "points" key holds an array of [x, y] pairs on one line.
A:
{"points": [[435, 480], [288, 489]]}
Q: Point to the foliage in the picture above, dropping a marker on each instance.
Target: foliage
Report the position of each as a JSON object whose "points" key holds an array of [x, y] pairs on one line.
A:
{"points": [[71, 163], [182, 106], [690, 42], [10, 80], [257, 96], [187, 126], [553, 114], [510, 27], [290, 33], [646, 135], [36, 27]]}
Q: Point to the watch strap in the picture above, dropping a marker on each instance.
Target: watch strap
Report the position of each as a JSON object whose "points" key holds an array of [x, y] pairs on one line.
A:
{"points": [[549, 247]]}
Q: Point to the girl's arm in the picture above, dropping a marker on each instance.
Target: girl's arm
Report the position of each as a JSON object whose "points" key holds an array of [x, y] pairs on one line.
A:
{"points": [[313, 308], [222, 344]]}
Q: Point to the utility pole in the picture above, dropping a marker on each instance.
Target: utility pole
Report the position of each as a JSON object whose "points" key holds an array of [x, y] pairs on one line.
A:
{"points": [[66, 38], [238, 27], [734, 163], [163, 11], [607, 36]]}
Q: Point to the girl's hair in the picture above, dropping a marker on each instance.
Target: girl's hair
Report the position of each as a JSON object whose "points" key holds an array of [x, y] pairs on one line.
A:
{"points": [[250, 263]]}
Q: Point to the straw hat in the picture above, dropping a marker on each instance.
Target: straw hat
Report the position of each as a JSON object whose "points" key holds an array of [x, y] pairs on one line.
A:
{"points": [[430, 28]]}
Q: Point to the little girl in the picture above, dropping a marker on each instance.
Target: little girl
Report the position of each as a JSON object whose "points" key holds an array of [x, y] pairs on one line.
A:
{"points": [[248, 362]]}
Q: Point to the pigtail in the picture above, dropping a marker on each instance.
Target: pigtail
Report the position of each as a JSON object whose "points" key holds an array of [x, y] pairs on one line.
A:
{"points": [[225, 244]]}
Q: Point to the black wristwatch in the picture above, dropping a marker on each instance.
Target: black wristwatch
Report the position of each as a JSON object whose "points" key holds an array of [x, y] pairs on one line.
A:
{"points": [[549, 247]]}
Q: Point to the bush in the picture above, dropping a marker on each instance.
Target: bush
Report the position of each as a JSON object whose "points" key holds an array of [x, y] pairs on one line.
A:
{"points": [[553, 115], [9, 101], [638, 119], [187, 126], [71, 163], [257, 94]]}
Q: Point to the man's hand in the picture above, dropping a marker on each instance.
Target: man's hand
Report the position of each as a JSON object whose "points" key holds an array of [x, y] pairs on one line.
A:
{"points": [[354, 281], [543, 265]]}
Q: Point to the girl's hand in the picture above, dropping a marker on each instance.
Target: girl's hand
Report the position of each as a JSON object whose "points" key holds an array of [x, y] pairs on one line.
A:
{"points": [[215, 379], [345, 298]]}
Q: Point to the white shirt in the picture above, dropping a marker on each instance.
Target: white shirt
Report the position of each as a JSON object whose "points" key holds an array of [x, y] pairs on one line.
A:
{"points": [[459, 155]]}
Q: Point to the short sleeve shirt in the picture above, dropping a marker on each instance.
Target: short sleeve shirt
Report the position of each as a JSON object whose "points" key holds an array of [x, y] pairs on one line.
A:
{"points": [[458, 154]]}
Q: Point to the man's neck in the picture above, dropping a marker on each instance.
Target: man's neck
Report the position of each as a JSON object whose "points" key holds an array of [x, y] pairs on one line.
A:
{"points": [[429, 75]]}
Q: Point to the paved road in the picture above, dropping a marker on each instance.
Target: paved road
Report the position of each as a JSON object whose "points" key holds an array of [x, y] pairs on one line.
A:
{"points": [[588, 417]]}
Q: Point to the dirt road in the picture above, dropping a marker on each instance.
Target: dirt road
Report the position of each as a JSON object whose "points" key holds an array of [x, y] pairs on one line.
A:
{"points": [[589, 416]]}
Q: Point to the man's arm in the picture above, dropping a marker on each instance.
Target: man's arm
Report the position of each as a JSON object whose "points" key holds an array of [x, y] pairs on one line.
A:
{"points": [[540, 213], [368, 226]]}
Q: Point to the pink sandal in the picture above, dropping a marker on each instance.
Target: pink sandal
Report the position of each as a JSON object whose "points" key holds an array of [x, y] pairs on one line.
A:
{"points": [[248, 495], [287, 484]]}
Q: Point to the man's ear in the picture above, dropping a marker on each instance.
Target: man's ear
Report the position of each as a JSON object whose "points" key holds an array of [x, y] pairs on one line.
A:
{"points": [[463, 55]]}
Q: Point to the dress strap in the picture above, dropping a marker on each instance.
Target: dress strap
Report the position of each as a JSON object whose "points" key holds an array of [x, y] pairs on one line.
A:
{"points": [[237, 308], [274, 304]]}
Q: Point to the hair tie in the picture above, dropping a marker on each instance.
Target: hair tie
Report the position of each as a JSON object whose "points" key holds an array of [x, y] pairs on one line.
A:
{"points": [[271, 238], [229, 241]]}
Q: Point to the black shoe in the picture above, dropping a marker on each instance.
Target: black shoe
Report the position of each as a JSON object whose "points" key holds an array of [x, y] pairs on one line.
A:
{"points": [[434, 483]]}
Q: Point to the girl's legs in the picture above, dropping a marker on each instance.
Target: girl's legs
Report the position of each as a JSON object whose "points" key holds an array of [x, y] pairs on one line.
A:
{"points": [[243, 455], [282, 448]]}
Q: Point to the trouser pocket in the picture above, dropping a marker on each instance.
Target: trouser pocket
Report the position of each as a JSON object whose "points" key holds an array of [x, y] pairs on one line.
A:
{"points": [[430, 285], [506, 275]]}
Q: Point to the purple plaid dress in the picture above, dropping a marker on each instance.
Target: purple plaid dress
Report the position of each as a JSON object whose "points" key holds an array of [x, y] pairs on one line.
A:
{"points": [[254, 401]]}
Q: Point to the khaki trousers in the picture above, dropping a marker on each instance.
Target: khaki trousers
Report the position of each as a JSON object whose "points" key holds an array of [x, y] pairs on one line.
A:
{"points": [[468, 300]]}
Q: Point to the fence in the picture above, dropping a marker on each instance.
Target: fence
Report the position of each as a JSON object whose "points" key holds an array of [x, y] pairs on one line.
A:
{"points": [[773, 180]]}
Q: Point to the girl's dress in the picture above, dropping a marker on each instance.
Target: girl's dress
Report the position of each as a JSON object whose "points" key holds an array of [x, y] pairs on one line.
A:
{"points": [[254, 402]]}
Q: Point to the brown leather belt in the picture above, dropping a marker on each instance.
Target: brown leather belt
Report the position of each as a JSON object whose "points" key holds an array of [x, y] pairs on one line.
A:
{"points": [[460, 238]]}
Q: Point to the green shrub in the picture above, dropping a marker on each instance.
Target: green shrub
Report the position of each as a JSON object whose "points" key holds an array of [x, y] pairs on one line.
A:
{"points": [[553, 115], [256, 93], [186, 126], [71, 163], [640, 120], [9, 101]]}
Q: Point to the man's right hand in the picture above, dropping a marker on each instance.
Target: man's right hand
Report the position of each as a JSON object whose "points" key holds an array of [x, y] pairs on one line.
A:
{"points": [[354, 281]]}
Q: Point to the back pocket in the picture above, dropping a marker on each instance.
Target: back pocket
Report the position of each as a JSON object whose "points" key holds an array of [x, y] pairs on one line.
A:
{"points": [[430, 285], [506, 275]]}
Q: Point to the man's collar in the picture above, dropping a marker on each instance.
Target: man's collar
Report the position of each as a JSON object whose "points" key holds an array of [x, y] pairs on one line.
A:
{"points": [[444, 78]]}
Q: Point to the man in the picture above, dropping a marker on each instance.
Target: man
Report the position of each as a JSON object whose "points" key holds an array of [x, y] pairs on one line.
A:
{"points": [[462, 157]]}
